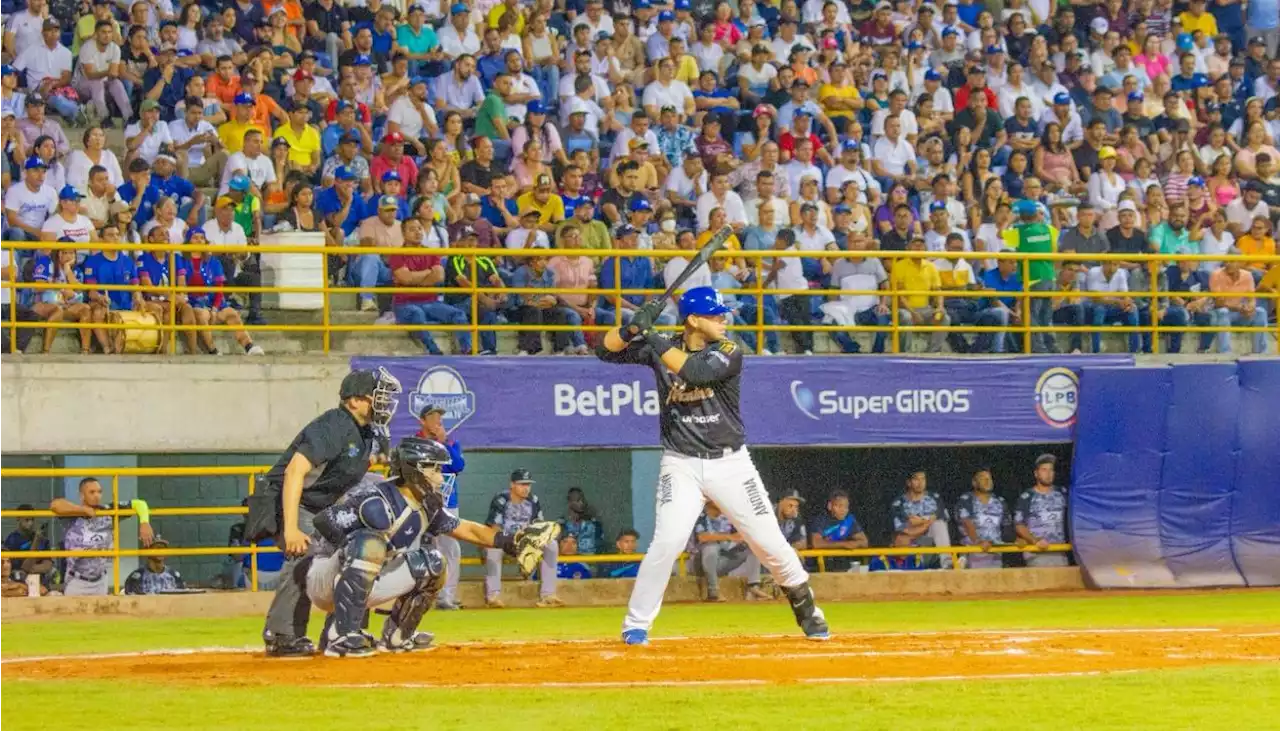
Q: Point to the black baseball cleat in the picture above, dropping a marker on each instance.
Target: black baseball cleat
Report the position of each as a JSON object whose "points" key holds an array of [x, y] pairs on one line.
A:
{"points": [[418, 642], [352, 645], [289, 646], [815, 628]]}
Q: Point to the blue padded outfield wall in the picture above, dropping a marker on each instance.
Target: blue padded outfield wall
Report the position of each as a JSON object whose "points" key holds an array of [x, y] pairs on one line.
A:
{"points": [[1176, 475]]}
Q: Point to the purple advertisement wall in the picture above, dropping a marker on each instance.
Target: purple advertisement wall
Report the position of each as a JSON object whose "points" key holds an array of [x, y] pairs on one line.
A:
{"points": [[565, 402]]}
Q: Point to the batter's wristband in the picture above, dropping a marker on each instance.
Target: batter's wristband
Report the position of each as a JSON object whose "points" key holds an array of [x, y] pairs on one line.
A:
{"points": [[142, 509], [505, 542], [659, 344]]}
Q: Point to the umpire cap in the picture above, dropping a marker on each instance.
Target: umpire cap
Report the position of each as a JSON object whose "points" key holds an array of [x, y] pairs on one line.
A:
{"points": [[358, 384], [703, 301]]}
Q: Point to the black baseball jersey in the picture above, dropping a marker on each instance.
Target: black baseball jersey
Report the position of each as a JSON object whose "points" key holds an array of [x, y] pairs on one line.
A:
{"points": [[701, 414], [381, 507], [338, 449]]}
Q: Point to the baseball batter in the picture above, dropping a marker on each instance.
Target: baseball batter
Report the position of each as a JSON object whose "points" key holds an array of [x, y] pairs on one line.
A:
{"points": [[374, 546], [704, 458]]}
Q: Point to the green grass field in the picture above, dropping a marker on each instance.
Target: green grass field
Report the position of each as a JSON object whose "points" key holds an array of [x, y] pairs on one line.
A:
{"points": [[1235, 696]]}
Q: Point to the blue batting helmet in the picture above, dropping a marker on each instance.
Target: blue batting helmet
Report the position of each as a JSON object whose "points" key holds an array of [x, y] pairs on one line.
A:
{"points": [[702, 301]]}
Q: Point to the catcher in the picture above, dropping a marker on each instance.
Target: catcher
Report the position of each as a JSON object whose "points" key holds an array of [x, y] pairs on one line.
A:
{"points": [[372, 549]]}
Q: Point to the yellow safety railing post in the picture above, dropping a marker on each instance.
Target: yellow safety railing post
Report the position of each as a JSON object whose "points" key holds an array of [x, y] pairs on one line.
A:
{"points": [[895, 327], [1153, 311], [324, 318], [253, 560], [759, 297], [475, 306], [115, 533], [1028, 305], [172, 256], [12, 286], [617, 288]]}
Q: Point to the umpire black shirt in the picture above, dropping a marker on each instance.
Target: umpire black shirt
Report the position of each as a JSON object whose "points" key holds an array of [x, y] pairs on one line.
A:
{"points": [[338, 449]]}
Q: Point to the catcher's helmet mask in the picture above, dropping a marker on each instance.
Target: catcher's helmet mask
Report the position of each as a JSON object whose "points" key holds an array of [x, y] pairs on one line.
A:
{"points": [[418, 464]]}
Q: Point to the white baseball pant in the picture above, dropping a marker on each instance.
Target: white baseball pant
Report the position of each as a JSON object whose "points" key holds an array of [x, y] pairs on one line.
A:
{"points": [[393, 582], [685, 484]]}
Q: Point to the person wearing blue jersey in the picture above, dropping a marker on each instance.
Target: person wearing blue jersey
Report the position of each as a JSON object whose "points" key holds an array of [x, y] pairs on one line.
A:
{"points": [[110, 267], [140, 192], [190, 200], [393, 186], [154, 276], [195, 269], [432, 420], [370, 548], [341, 207], [56, 305]]}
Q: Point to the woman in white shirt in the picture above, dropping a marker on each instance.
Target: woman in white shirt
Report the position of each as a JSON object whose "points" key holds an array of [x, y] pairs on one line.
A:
{"points": [[1105, 187], [1216, 240], [67, 222], [95, 152]]}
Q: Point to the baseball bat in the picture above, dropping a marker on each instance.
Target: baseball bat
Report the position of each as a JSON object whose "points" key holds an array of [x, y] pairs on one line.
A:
{"points": [[716, 243]]}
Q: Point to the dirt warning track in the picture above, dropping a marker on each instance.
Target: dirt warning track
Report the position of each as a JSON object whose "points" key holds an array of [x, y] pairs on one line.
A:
{"points": [[879, 657]]}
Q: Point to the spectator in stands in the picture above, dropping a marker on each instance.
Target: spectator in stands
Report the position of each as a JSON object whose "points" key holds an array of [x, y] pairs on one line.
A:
{"points": [[982, 517], [544, 310], [624, 545], [920, 518], [85, 530], [790, 521], [15, 581], [419, 267], [36, 124], [210, 306], [722, 552], [1109, 305], [510, 511], [1040, 517], [99, 71], [30, 536], [837, 528], [47, 66], [1187, 303], [571, 569], [1233, 307], [859, 272], [787, 273], [1257, 242], [580, 521], [919, 275], [636, 273], [154, 577], [27, 205], [576, 272], [1000, 311]]}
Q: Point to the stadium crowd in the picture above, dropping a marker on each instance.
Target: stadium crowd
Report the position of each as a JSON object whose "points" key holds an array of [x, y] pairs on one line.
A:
{"points": [[1089, 126]]}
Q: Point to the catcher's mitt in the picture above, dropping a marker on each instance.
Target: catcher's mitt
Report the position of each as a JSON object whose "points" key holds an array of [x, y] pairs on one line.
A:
{"points": [[528, 544]]}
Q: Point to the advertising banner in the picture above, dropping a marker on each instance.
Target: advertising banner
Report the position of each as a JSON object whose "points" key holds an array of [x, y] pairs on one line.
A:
{"points": [[567, 402]]}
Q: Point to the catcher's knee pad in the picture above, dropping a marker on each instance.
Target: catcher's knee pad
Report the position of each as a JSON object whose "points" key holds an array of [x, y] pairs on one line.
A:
{"points": [[429, 572], [427, 566], [363, 556]]}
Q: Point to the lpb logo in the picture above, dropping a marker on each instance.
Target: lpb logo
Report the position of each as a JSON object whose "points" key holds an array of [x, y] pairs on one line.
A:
{"points": [[442, 386], [1058, 397]]}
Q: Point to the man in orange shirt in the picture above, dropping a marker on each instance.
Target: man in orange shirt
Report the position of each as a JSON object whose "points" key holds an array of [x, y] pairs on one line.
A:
{"points": [[225, 82], [1231, 279]]}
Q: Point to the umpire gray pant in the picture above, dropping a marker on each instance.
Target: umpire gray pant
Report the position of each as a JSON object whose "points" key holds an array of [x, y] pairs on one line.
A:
{"points": [[290, 609], [546, 570], [451, 550]]}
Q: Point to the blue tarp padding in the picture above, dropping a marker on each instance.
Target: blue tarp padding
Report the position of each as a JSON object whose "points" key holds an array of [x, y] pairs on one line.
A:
{"points": [[1255, 513], [1176, 475], [1116, 469]]}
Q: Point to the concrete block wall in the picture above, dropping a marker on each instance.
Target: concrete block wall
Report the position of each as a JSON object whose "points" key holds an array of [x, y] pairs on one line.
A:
{"points": [[36, 491], [201, 491]]}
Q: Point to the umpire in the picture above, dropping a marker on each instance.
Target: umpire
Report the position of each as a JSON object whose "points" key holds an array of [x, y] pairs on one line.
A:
{"points": [[328, 457]]}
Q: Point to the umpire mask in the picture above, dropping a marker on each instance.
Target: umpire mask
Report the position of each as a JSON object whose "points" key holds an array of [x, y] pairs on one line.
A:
{"points": [[385, 392]]}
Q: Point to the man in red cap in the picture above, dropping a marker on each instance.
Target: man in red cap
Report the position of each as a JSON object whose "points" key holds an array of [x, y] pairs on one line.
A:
{"points": [[391, 158]]}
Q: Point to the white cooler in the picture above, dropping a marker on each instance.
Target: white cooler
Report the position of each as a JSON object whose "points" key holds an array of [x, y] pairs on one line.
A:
{"points": [[294, 270]]}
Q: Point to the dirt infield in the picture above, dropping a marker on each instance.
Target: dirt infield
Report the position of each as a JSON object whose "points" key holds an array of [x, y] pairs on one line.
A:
{"points": [[851, 658]]}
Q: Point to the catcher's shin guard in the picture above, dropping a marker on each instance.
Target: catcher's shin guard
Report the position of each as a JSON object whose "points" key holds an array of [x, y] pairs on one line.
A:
{"points": [[807, 613], [400, 631], [365, 553]]}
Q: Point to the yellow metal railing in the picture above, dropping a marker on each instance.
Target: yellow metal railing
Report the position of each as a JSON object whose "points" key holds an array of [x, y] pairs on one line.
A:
{"points": [[756, 259], [116, 552]]}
